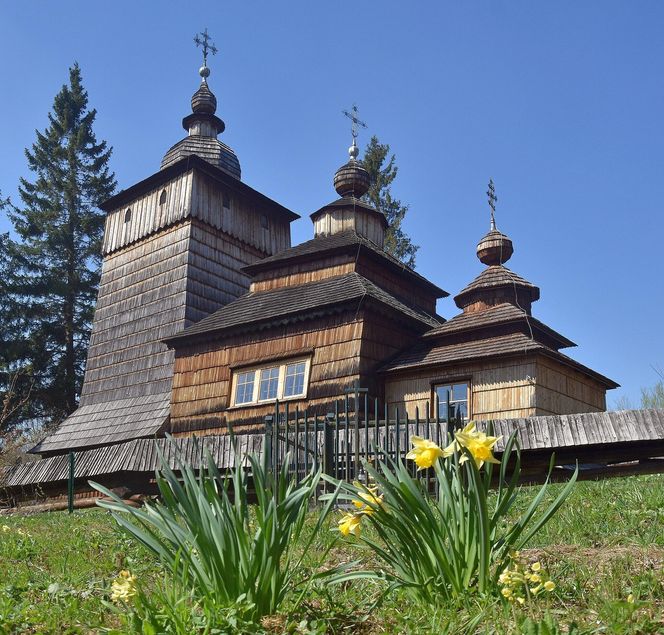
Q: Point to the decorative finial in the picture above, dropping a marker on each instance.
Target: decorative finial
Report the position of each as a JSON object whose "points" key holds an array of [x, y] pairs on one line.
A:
{"points": [[493, 199], [354, 151], [205, 41]]}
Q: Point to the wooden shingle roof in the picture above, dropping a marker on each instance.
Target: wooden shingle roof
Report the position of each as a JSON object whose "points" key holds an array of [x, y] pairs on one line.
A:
{"points": [[138, 455], [493, 277], [343, 242], [261, 309], [500, 314], [433, 353], [109, 422]]}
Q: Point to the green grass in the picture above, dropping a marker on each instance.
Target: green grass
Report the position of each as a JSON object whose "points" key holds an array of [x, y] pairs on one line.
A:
{"points": [[606, 543]]}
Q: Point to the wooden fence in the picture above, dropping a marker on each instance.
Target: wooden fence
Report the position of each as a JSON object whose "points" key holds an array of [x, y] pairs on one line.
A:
{"points": [[340, 442]]}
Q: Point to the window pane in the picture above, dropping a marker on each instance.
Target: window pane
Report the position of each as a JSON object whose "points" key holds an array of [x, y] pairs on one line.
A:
{"points": [[269, 383], [443, 392], [459, 411], [244, 391], [294, 383], [460, 392]]}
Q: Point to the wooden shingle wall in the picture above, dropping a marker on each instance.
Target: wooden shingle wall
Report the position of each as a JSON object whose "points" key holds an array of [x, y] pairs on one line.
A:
{"points": [[214, 276], [505, 388], [141, 300], [202, 380], [564, 390]]}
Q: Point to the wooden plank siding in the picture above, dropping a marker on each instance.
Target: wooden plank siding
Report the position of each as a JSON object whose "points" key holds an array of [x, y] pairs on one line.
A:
{"points": [[202, 375], [335, 221], [564, 390], [502, 388]]}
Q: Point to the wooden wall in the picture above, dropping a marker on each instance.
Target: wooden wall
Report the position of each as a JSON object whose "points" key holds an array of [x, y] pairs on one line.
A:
{"points": [[199, 196], [147, 214], [242, 219], [302, 273], [564, 390], [340, 219], [163, 270], [141, 300], [502, 389], [202, 380]]}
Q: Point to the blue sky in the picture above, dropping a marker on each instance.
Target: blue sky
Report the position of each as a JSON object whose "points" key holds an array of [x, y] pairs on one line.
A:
{"points": [[562, 104]]}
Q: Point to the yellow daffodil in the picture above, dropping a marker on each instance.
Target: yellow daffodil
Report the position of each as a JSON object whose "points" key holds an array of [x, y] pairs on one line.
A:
{"points": [[549, 585], [536, 566], [479, 445], [5, 529], [368, 498], [350, 524], [425, 453], [123, 587]]}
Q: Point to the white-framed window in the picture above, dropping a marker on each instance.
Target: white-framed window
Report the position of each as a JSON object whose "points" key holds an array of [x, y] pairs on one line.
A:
{"points": [[269, 382], [451, 400]]}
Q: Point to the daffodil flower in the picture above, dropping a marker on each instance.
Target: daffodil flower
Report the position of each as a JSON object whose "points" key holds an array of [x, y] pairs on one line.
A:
{"points": [[368, 498], [350, 524], [123, 587], [478, 444], [425, 453]]}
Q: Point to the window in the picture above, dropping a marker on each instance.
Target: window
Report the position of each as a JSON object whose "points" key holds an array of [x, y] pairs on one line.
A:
{"points": [[227, 201], [128, 215], [295, 379], [244, 391], [162, 197], [265, 223], [452, 401], [270, 382]]}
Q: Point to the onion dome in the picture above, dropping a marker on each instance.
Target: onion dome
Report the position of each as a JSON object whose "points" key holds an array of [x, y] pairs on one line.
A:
{"points": [[495, 248], [352, 179], [203, 100], [203, 126]]}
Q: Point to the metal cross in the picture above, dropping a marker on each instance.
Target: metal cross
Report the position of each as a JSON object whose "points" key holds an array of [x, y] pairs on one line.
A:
{"points": [[205, 41], [493, 199], [352, 115]]}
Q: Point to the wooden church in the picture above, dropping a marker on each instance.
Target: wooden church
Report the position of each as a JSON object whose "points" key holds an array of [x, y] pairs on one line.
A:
{"points": [[207, 316]]}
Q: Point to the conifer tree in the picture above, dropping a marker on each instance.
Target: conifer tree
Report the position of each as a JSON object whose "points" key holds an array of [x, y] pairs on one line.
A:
{"points": [[382, 174], [51, 272]]}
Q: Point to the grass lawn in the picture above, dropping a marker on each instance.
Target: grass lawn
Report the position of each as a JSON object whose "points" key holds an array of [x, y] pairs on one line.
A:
{"points": [[605, 545]]}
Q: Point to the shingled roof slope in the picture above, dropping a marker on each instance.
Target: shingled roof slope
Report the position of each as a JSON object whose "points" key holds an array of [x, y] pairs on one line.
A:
{"points": [[494, 316], [343, 241], [498, 276], [265, 307], [430, 353], [109, 422]]}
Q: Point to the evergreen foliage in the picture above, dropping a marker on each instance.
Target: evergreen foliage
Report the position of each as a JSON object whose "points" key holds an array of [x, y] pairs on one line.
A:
{"points": [[383, 171], [49, 274]]}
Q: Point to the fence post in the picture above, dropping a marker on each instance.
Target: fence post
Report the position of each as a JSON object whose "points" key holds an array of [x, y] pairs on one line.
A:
{"points": [[70, 483], [267, 443]]}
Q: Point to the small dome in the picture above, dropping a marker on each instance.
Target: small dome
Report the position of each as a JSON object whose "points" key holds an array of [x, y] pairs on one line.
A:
{"points": [[352, 179], [495, 248], [203, 100]]}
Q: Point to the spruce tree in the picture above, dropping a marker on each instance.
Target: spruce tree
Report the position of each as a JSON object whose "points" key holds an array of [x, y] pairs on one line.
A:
{"points": [[382, 174], [51, 272]]}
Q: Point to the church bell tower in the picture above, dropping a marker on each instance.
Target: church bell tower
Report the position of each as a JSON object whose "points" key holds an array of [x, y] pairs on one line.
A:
{"points": [[173, 251]]}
